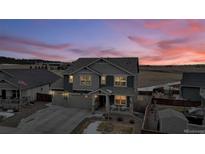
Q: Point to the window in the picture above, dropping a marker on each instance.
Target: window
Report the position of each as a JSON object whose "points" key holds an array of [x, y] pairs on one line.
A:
{"points": [[103, 80], [71, 79], [120, 81], [85, 80], [120, 100]]}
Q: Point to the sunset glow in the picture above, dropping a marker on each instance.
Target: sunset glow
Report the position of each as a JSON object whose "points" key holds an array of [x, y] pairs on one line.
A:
{"points": [[155, 42]]}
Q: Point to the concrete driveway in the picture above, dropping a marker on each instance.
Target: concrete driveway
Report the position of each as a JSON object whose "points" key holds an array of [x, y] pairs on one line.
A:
{"points": [[54, 119]]}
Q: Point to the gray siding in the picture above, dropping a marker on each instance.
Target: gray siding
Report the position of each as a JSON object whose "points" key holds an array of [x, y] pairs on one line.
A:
{"points": [[6, 86], [67, 86], [94, 78], [109, 81], [130, 81], [191, 93], [112, 99]]}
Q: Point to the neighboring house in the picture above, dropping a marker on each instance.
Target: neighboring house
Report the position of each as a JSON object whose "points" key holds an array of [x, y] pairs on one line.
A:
{"points": [[99, 82], [50, 66], [16, 84], [14, 66], [191, 85]]}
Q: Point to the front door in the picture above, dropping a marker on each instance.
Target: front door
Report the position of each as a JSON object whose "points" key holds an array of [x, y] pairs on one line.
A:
{"points": [[102, 101], [3, 94]]}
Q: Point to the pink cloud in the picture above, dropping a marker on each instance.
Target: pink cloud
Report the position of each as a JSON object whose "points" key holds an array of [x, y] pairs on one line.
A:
{"points": [[35, 43], [176, 56], [180, 28], [172, 51], [158, 24], [31, 48], [142, 40]]}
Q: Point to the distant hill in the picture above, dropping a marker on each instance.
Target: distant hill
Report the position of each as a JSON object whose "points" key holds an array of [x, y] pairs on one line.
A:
{"points": [[8, 60], [174, 68]]}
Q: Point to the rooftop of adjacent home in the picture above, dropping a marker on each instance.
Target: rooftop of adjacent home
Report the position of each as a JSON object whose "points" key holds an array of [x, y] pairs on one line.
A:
{"points": [[193, 79], [170, 113], [27, 78]]}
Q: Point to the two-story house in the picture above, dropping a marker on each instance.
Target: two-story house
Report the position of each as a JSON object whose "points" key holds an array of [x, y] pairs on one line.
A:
{"points": [[110, 83]]}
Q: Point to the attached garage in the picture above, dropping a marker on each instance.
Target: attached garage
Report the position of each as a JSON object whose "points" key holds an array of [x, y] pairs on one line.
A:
{"points": [[74, 100]]}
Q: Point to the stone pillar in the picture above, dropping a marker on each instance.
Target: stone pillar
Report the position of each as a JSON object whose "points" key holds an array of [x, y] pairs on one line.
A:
{"points": [[107, 105], [93, 104], [131, 107]]}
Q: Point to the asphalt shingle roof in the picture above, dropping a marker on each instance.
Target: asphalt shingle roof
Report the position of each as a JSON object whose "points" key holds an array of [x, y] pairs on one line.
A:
{"points": [[31, 78], [130, 64], [193, 79], [169, 113], [120, 90]]}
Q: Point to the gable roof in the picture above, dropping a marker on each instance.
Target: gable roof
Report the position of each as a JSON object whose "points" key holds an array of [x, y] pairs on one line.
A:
{"points": [[58, 85], [170, 113], [29, 78], [193, 79], [128, 64], [116, 91]]}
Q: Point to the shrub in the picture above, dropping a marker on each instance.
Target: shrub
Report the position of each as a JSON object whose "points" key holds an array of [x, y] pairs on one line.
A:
{"points": [[131, 121], [106, 117], [119, 119]]}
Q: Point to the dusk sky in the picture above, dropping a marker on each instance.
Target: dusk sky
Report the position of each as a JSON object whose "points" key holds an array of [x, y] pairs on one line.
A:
{"points": [[155, 42]]}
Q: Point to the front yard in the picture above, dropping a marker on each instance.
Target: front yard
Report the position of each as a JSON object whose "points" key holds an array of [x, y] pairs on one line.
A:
{"points": [[116, 125]]}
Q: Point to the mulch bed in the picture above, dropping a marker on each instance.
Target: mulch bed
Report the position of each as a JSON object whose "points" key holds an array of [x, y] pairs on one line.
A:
{"points": [[84, 124], [110, 126]]}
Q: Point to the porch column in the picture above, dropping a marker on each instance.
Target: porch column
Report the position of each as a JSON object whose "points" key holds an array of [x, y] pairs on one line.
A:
{"points": [[16, 94], [93, 104], [131, 104], [107, 105], [20, 96]]}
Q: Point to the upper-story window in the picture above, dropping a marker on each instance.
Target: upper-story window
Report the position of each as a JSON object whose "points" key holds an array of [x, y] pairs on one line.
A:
{"points": [[85, 80], [120, 81], [103, 80], [71, 79]]}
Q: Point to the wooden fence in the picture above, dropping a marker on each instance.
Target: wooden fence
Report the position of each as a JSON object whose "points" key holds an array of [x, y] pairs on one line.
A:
{"points": [[172, 102]]}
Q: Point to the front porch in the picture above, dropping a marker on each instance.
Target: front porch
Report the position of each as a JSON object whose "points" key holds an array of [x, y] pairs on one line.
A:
{"points": [[110, 103], [9, 94], [11, 99]]}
